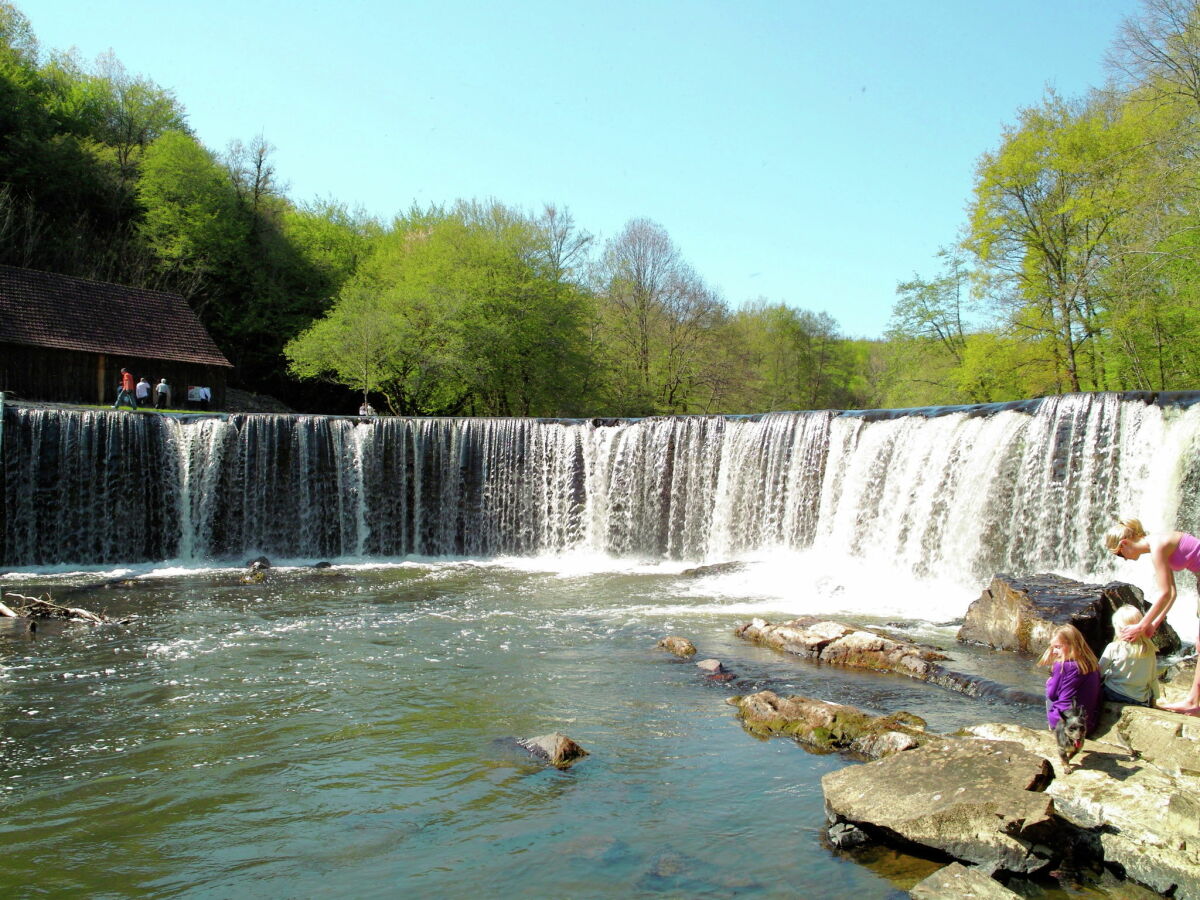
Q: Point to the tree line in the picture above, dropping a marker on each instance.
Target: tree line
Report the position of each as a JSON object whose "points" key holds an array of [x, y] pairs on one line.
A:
{"points": [[1079, 257], [1075, 270]]}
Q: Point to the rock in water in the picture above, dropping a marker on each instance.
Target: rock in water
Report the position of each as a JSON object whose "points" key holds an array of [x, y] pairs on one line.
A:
{"points": [[725, 568], [843, 645], [959, 882], [981, 802], [829, 726], [556, 748], [680, 646], [1020, 613]]}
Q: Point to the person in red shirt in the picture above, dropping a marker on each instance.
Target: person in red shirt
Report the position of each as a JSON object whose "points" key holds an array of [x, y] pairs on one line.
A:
{"points": [[125, 391]]}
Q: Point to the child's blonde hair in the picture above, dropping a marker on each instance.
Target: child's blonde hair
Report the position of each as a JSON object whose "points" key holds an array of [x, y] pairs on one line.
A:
{"points": [[1126, 530], [1124, 617], [1077, 649]]}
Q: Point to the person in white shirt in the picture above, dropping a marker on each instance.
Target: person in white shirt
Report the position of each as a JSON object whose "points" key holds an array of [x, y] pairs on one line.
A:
{"points": [[1129, 669]]}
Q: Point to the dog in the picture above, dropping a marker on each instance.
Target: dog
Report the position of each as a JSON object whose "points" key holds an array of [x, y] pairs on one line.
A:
{"points": [[1070, 732]]}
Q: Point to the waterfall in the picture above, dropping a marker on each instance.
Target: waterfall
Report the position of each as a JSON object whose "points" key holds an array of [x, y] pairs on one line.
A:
{"points": [[969, 490]]}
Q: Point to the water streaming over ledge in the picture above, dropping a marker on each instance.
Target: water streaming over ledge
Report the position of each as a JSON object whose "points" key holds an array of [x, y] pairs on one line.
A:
{"points": [[962, 490]]}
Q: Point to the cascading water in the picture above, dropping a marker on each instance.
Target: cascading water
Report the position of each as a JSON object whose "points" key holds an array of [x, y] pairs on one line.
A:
{"points": [[969, 491]]}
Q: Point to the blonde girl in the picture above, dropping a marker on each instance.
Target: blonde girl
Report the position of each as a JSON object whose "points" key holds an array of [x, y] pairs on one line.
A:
{"points": [[1074, 676], [1129, 669], [1170, 552]]}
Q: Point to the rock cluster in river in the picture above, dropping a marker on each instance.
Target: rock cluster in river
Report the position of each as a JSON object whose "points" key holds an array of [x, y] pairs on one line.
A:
{"points": [[837, 644]]}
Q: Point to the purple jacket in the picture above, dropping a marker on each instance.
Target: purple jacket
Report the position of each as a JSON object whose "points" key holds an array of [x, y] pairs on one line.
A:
{"points": [[1067, 683]]}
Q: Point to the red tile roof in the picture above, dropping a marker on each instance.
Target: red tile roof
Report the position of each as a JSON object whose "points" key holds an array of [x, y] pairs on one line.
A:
{"points": [[46, 310]]}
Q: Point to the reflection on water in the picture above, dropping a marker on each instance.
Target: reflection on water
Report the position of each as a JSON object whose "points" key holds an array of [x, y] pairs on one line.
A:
{"points": [[334, 733]]}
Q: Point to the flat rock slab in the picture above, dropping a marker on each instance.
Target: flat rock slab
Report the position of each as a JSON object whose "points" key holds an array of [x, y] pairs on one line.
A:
{"points": [[959, 882], [1135, 791], [978, 801], [829, 726], [1020, 613], [836, 644]]}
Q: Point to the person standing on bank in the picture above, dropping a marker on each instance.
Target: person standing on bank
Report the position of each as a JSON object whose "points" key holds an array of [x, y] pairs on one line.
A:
{"points": [[162, 395], [142, 392], [1170, 552], [125, 391]]}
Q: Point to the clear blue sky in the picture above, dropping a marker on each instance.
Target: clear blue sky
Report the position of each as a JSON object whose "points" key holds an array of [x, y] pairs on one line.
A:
{"points": [[808, 152]]}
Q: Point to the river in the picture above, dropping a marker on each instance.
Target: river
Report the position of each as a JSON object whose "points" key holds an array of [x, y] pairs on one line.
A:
{"points": [[345, 732]]}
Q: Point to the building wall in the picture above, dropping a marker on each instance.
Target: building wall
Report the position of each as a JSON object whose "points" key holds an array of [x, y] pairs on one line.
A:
{"points": [[71, 376]]}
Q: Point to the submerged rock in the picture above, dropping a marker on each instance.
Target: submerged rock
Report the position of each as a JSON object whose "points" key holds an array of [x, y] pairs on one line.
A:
{"points": [[556, 748], [959, 882], [1020, 613], [829, 726], [724, 568], [979, 801], [259, 562], [680, 646]]}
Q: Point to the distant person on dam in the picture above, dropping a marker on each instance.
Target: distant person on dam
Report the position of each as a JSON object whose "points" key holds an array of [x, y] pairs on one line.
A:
{"points": [[142, 392], [125, 391], [162, 395], [1170, 552]]}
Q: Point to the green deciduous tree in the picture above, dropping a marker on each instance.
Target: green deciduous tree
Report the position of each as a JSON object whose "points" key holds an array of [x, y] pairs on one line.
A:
{"points": [[1045, 206], [481, 315], [793, 359], [659, 324]]}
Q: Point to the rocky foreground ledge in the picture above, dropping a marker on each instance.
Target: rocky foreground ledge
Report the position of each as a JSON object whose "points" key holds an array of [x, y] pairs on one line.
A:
{"points": [[993, 796]]}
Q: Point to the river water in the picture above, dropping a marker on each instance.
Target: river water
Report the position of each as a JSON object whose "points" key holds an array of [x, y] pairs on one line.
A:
{"points": [[345, 732]]}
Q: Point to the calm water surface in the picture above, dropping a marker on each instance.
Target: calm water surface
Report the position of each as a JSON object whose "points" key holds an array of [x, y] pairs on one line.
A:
{"points": [[343, 733]]}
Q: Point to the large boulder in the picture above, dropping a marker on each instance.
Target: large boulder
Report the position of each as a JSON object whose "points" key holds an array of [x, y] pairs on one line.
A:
{"points": [[980, 802], [1021, 613], [829, 726], [837, 644], [1135, 794]]}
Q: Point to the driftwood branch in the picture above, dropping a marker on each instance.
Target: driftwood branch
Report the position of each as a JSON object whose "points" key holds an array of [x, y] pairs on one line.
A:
{"points": [[44, 608]]}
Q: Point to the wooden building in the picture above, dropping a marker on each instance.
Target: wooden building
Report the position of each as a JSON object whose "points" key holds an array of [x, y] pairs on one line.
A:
{"points": [[66, 339]]}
